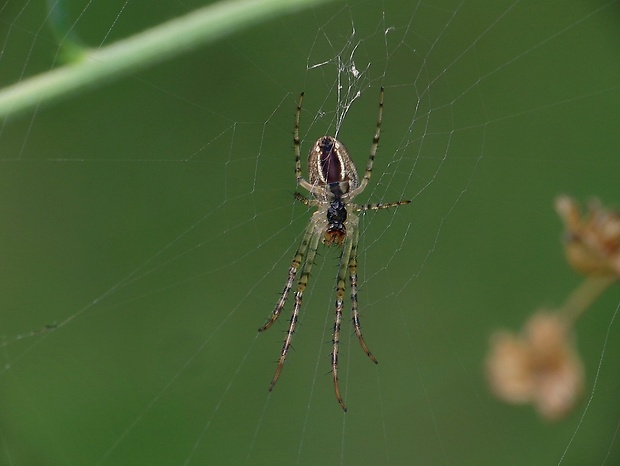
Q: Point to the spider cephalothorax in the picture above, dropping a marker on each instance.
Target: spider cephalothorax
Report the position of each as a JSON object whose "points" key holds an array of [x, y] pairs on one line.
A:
{"points": [[336, 217], [333, 183]]}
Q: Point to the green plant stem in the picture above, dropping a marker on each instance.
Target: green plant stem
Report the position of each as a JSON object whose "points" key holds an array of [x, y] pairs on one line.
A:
{"points": [[143, 49]]}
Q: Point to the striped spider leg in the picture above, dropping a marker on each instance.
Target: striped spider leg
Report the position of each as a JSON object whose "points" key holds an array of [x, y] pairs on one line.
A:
{"points": [[333, 183]]}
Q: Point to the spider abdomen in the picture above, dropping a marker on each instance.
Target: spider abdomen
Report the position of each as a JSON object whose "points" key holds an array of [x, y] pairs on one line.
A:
{"points": [[329, 164]]}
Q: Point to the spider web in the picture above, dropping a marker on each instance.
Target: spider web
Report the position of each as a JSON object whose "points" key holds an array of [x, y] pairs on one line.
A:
{"points": [[148, 226]]}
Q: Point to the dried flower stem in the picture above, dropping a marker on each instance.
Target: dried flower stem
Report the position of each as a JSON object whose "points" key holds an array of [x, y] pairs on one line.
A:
{"points": [[585, 294]]}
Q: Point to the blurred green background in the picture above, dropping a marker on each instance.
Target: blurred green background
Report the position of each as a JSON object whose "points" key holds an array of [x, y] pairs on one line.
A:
{"points": [[152, 221]]}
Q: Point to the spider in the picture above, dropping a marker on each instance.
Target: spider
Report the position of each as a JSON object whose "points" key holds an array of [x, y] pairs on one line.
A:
{"points": [[333, 183]]}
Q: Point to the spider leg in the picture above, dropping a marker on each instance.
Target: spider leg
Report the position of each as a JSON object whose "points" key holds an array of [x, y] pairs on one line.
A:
{"points": [[305, 201], [314, 238], [340, 292], [297, 143], [373, 151], [353, 278], [380, 205], [292, 272], [296, 140]]}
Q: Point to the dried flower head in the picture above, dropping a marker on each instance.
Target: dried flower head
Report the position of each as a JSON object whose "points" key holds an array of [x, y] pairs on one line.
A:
{"points": [[592, 241], [539, 366]]}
